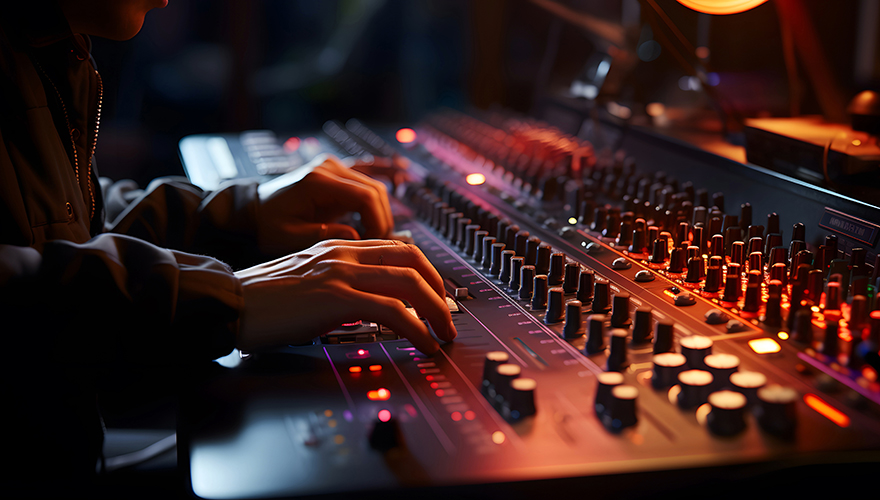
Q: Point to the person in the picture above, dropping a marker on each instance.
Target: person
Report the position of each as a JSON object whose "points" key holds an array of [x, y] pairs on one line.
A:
{"points": [[97, 278]]}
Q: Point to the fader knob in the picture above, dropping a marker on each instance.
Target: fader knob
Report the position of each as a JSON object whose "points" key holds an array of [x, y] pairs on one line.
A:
{"points": [[488, 243], [727, 416], [542, 260], [574, 325], [585, 285], [663, 337], [526, 282], [477, 245], [469, 233], [557, 269], [520, 242], [617, 355], [620, 311], [495, 267], [694, 388], [504, 272], [600, 297], [776, 412], [621, 409], [667, 366], [606, 382], [521, 403], [572, 273], [516, 265], [555, 303], [695, 348], [642, 326], [595, 334], [539, 292]]}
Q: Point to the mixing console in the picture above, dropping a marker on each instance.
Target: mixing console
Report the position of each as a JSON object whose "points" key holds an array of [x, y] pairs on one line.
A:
{"points": [[618, 316]]}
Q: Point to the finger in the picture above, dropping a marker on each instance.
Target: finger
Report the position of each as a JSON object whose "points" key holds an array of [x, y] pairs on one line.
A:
{"points": [[392, 313], [339, 169], [353, 196], [406, 284], [403, 256]]}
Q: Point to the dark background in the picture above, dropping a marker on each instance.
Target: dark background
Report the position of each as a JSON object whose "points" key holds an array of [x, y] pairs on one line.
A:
{"points": [[201, 66]]}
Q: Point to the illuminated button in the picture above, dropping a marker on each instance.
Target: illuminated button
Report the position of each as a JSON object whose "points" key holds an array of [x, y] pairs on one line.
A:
{"points": [[498, 437], [379, 395], [764, 345], [375, 368], [405, 135], [826, 410], [475, 179], [384, 415], [355, 369]]}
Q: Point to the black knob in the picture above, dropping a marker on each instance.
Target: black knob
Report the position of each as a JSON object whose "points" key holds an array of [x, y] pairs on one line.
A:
{"points": [[858, 311], [526, 281], [694, 270], [600, 297], [621, 409], [620, 311], [663, 337], [501, 230], [520, 242], [718, 245], [471, 238], [756, 244], [677, 261], [477, 252], [557, 269], [748, 384], [532, 250], [585, 285], [504, 375], [521, 403], [694, 386], [799, 232], [721, 366], [452, 225], [599, 217], [752, 302], [504, 272], [491, 361], [713, 279], [595, 334], [385, 434], [488, 242], [832, 296], [778, 255], [642, 326], [756, 261], [539, 292], [830, 343], [542, 260], [461, 232], [606, 382], [491, 224], [737, 252], [555, 302], [516, 264], [775, 412], [773, 223], [639, 243], [803, 326], [727, 416], [732, 284], [510, 236], [617, 357], [773, 310], [574, 325], [695, 348], [777, 273], [572, 274], [495, 267], [660, 253], [667, 366]]}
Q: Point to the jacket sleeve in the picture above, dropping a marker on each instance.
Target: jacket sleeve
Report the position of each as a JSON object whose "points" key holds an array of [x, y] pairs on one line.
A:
{"points": [[115, 299], [173, 213]]}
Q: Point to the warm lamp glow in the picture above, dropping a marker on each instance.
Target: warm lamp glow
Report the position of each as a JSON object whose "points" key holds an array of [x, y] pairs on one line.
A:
{"points": [[475, 179], [721, 7]]}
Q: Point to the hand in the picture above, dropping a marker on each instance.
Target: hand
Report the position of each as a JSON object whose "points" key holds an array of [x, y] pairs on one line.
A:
{"points": [[296, 298], [302, 208]]}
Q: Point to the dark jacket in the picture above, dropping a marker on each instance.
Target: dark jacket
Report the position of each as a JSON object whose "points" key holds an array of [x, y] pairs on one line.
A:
{"points": [[81, 296]]}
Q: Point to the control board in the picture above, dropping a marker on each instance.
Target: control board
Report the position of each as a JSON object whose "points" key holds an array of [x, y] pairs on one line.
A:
{"points": [[613, 322]]}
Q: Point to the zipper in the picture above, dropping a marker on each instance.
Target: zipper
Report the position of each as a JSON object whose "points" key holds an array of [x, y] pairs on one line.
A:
{"points": [[94, 145]]}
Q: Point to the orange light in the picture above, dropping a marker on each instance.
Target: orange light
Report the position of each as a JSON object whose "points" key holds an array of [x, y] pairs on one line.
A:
{"points": [[375, 368], [498, 437], [764, 346], [826, 410], [721, 7], [856, 142], [475, 179], [782, 335], [382, 394], [354, 369], [405, 135], [384, 415], [292, 144], [655, 109]]}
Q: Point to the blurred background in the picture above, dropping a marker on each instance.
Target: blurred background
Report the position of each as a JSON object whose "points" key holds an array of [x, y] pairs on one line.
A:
{"points": [[202, 66]]}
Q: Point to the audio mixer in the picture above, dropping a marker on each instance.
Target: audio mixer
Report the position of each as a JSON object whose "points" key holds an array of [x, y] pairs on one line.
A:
{"points": [[661, 317]]}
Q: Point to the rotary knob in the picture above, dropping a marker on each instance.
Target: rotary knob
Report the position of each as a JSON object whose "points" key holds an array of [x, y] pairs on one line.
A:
{"points": [[721, 366], [526, 282], [585, 286], [748, 384], [642, 326], [595, 334], [516, 265], [504, 272], [539, 292], [557, 269], [694, 388], [775, 412], [572, 274], [600, 297], [727, 416], [663, 337], [667, 366], [606, 382], [574, 325], [491, 361], [521, 403], [617, 356], [504, 375], [620, 311], [555, 302], [621, 408], [486, 254], [695, 348]]}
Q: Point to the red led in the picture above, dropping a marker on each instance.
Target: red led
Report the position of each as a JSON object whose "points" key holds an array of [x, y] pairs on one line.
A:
{"points": [[405, 135], [361, 352], [292, 144], [375, 368], [354, 369], [429, 378], [439, 392], [469, 415], [456, 416], [434, 385], [384, 415]]}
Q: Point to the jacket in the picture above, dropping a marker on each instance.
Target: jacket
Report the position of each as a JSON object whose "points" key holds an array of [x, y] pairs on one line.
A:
{"points": [[82, 294]]}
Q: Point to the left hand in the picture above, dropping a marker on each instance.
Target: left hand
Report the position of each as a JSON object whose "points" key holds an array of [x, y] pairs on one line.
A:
{"points": [[302, 208]]}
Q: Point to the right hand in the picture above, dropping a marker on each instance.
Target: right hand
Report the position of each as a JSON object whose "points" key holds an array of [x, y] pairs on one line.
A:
{"points": [[296, 298]]}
